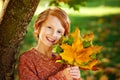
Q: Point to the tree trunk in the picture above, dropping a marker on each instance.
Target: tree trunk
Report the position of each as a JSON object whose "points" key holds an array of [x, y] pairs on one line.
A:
{"points": [[12, 30]]}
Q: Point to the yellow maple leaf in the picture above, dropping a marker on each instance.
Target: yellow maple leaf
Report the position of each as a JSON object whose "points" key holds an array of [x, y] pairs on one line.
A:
{"points": [[92, 63], [77, 43], [76, 54], [67, 54], [84, 56], [76, 33], [88, 37]]}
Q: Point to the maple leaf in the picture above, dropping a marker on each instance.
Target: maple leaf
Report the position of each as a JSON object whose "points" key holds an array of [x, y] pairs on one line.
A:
{"points": [[67, 54], [88, 37], [77, 53]]}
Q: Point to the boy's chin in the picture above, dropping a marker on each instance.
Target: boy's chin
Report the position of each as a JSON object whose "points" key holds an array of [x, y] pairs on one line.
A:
{"points": [[49, 44]]}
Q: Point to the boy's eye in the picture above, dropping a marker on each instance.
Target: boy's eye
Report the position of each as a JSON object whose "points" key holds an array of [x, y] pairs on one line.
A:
{"points": [[49, 27], [59, 31]]}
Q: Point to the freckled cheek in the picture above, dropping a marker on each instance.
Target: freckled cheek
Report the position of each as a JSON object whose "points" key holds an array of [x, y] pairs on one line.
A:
{"points": [[58, 37]]}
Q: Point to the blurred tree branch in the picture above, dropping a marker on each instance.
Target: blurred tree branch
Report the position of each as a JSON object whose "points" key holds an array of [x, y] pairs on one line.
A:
{"points": [[75, 4]]}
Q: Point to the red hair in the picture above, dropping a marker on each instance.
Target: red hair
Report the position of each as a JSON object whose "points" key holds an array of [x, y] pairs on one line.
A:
{"points": [[57, 12]]}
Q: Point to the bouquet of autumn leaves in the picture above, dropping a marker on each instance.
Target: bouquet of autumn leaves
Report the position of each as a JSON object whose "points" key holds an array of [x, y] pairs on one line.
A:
{"points": [[77, 50]]}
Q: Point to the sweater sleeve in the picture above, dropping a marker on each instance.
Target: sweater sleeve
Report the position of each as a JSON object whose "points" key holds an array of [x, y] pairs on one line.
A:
{"points": [[58, 76], [26, 70]]}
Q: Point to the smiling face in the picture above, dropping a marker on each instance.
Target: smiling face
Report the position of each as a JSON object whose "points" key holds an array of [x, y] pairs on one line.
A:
{"points": [[51, 31]]}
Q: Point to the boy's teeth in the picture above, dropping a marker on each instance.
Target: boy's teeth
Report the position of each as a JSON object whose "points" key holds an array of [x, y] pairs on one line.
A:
{"points": [[51, 39]]}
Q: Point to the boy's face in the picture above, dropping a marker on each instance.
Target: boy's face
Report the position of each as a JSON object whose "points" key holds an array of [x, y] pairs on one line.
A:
{"points": [[51, 31]]}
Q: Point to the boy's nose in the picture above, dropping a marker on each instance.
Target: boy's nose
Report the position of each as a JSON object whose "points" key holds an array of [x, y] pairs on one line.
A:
{"points": [[54, 34]]}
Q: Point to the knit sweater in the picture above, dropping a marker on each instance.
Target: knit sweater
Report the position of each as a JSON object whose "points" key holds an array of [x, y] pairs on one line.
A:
{"points": [[35, 66]]}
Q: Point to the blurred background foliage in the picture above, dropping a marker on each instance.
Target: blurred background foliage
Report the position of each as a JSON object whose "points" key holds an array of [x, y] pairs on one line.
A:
{"points": [[102, 17]]}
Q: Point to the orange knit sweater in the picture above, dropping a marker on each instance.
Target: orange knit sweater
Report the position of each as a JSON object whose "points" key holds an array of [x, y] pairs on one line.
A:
{"points": [[36, 66]]}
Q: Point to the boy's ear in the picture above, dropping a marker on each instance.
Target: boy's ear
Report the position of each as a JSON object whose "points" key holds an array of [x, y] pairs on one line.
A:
{"points": [[35, 26], [36, 29]]}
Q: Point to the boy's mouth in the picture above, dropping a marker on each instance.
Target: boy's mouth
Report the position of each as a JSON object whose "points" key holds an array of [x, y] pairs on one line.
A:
{"points": [[50, 39]]}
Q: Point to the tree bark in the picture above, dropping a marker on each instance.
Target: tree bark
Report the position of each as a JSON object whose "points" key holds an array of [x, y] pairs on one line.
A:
{"points": [[12, 30]]}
